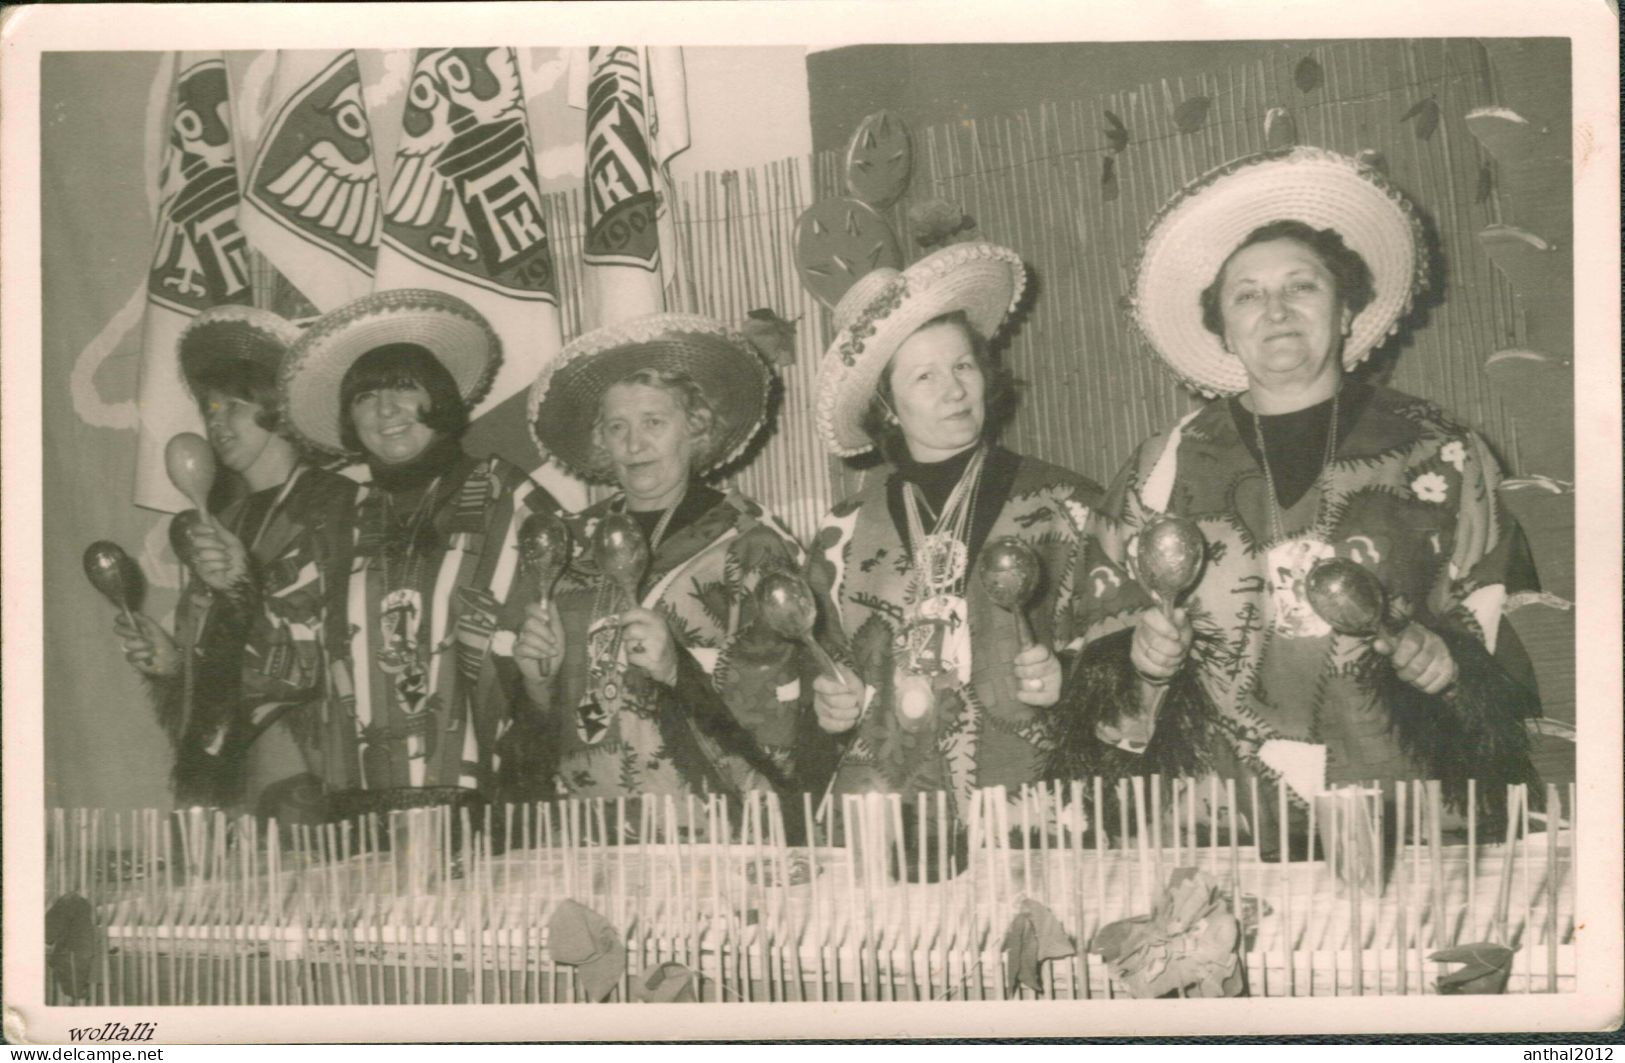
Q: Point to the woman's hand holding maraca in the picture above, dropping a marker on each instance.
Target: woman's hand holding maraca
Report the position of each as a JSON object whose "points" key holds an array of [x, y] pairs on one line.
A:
{"points": [[147, 646], [1038, 677], [649, 644], [539, 648], [837, 701], [1420, 658], [1161, 643], [218, 557]]}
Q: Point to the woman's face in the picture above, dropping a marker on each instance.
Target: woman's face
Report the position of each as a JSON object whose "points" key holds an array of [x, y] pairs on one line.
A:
{"points": [[937, 392], [234, 430], [389, 422], [650, 441], [1282, 314]]}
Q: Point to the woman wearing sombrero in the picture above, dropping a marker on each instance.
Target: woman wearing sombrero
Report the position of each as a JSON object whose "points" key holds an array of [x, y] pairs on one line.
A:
{"points": [[232, 748], [941, 696], [679, 691], [1264, 285], [426, 702]]}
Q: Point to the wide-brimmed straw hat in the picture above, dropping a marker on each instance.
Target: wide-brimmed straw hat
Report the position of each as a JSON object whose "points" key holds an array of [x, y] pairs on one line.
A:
{"points": [[458, 336], [1189, 240], [234, 334], [887, 306], [565, 400]]}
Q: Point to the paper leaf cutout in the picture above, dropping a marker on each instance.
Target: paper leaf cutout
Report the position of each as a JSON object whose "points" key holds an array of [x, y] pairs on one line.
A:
{"points": [[1373, 159], [1484, 971], [773, 337], [1116, 133], [937, 222], [1190, 115], [1280, 128], [1426, 114], [1307, 75], [1108, 179]]}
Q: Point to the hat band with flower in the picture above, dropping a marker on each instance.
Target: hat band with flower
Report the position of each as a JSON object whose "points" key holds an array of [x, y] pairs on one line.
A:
{"points": [[1192, 237], [567, 397], [453, 331], [886, 306]]}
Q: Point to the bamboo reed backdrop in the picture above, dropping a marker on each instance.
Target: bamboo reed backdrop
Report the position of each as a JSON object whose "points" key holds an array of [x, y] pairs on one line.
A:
{"points": [[1032, 180]]}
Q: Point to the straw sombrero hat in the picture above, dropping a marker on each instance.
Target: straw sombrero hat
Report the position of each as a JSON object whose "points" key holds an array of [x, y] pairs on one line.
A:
{"points": [[886, 306], [455, 332], [565, 400], [1190, 238], [234, 334]]}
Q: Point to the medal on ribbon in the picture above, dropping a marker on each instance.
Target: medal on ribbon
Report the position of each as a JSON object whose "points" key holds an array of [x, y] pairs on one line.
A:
{"points": [[606, 684]]}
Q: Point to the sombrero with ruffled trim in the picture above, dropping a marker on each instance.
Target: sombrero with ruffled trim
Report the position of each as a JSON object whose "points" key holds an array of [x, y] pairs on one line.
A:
{"points": [[234, 334], [567, 394], [456, 333], [1190, 238], [887, 306]]}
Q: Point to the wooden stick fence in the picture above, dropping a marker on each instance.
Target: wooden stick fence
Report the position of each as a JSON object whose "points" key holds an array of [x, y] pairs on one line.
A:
{"points": [[890, 897]]}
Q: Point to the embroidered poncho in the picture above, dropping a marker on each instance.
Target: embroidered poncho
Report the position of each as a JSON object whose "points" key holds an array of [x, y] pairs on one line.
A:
{"points": [[732, 722], [1411, 496], [978, 734]]}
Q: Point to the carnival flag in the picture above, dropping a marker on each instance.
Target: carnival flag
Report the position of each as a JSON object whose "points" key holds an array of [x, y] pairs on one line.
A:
{"points": [[463, 215], [637, 119], [311, 198], [200, 260]]}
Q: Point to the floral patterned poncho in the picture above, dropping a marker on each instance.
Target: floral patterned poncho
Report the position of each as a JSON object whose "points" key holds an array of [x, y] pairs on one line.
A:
{"points": [[977, 734], [1409, 495], [733, 720]]}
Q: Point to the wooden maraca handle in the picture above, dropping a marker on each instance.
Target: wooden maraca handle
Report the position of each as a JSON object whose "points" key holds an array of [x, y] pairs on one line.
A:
{"points": [[826, 663], [1024, 629]]}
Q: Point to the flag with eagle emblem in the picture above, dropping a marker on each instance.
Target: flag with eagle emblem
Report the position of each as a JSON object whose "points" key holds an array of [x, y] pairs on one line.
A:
{"points": [[200, 259], [312, 202], [637, 119], [463, 214]]}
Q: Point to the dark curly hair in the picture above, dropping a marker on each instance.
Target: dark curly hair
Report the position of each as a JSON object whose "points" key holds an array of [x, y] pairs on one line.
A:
{"points": [[402, 365], [1350, 274], [998, 398]]}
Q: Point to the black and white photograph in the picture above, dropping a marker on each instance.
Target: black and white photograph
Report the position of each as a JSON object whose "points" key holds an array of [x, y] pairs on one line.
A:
{"points": [[918, 520]]}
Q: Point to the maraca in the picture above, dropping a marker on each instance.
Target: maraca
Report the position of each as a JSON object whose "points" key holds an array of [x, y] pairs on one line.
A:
{"points": [[1348, 597], [544, 545], [181, 526], [190, 463], [789, 610], [111, 571], [1171, 552], [622, 553], [1010, 571]]}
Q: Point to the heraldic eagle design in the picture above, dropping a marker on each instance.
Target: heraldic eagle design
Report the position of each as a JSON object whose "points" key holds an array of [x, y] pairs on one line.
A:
{"points": [[316, 172], [464, 192]]}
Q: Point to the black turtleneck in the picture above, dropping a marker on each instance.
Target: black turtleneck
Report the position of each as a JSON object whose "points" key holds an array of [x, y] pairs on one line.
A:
{"points": [[1297, 441], [936, 480], [696, 502], [406, 478]]}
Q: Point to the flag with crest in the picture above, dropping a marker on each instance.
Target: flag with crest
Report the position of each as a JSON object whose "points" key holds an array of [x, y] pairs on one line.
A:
{"points": [[637, 119], [200, 259], [463, 214], [312, 204]]}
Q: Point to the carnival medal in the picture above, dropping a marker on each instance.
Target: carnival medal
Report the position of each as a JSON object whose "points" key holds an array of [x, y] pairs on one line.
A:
{"points": [[606, 683]]}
